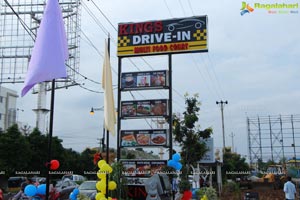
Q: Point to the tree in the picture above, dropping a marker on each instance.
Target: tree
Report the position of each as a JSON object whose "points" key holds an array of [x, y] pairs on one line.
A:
{"points": [[38, 146], [87, 161], [235, 164], [15, 152], [189, 136]]}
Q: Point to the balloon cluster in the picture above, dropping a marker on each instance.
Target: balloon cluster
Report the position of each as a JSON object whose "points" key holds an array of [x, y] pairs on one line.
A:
{"points": [[104, 169], [73, 194], [174, 162], [32, 190]]}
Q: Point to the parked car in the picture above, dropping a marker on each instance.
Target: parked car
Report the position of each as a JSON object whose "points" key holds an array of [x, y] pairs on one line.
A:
{"points": [[74, 177], [63, 189], [88, 188], [38, 180], [14, 183]]}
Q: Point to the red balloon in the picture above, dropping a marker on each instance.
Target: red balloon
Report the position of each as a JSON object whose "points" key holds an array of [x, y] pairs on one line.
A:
{"points": [[187, 195], [54, 164]]}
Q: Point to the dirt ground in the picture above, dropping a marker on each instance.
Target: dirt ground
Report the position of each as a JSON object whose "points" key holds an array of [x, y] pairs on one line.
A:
{"points": [[262, 194]]}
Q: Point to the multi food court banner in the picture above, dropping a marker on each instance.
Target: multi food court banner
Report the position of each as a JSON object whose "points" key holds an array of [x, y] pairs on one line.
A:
{"points": [[181, 35]]}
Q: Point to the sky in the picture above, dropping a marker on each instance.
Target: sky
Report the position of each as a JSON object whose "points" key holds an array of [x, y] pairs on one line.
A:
{"points": [[252, 62]]}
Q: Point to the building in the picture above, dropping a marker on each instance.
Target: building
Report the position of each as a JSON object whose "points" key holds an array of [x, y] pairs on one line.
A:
{"points": [[8, 102]]}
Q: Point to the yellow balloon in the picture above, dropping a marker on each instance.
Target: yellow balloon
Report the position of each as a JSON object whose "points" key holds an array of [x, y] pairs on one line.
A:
{"points": [[112, 185], [102, 171], [102, 186], [110, 169], [103, 190], [101, 174], [103, 198], [105, 167], [101, 162], [98, 185], [99, 195]]}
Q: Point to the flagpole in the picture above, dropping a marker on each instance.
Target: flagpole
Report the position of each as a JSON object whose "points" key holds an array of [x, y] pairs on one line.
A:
{"points": [[50, 138], [47, 63], [107, 131]]}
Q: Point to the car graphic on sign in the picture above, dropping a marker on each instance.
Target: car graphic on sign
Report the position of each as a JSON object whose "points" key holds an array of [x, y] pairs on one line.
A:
{"points": [[186, 23]]}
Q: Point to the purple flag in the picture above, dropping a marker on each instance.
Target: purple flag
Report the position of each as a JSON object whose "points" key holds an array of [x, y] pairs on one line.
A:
{"points": [[50, 49]]}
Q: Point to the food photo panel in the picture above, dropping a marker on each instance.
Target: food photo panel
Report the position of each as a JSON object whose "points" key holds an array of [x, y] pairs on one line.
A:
{"points": [[128, 109], [158, 79], [158, 139], [143, 108], [128, 139], [159, 107], [128, 80], [143, 79]]}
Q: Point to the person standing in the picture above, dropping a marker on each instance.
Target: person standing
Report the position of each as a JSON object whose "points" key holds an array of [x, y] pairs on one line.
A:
{"points": [[289, 189]]}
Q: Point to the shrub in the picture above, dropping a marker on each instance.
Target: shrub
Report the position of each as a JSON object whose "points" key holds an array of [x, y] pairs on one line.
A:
{"points": [[184, 185], [208, 191]]}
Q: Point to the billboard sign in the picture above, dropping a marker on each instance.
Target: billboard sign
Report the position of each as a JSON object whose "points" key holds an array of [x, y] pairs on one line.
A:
{"points": [[180, 35], [136, 138], [209, 156], [144, 80], [144, 108]]}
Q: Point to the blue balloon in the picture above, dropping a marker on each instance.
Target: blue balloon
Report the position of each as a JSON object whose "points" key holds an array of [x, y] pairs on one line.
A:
{"points": [[76, 191], [72, 196], [176, 157], [178, 166], [30, 190], [171, 163], [41, 189]]}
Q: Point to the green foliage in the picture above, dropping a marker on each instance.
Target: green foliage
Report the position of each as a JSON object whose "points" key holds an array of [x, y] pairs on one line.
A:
{"points": [[189, 136], [231, 187], [184, 185], [30, 153], [14, 149], [117, 176], [233, 162], [210, 193]]}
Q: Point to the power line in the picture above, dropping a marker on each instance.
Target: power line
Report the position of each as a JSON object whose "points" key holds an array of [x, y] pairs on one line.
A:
{"points": [[168, 8], [102, 13], [190, 5], [205, 65], [89, 89], [27, 29], [104, 16], [180, 3], [95, 19], [33, 36], [214, 72], [203, 77], [130, 60]]}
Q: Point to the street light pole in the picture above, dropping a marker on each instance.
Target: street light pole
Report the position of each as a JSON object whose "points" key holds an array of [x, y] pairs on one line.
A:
{"points": [[232, 141], [92, 112], [222, 103]]}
